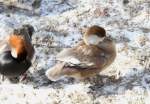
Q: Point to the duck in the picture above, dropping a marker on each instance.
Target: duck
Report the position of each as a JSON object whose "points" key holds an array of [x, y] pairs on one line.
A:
{"points": [[16, 52], [94, 53]]}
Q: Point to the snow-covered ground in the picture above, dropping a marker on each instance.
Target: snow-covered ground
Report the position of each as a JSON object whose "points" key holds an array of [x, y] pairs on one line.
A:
{"points": [[60, 24]]}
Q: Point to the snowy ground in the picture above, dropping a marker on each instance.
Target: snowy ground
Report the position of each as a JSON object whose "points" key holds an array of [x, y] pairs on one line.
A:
{"points": [[60, 25]]}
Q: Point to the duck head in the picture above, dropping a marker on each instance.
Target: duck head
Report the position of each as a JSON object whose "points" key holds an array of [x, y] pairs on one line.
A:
{"points": [[18, 41], [94, 35], [25, 31]]}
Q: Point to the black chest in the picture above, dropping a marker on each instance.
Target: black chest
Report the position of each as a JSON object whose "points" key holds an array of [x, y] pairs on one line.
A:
{"points": [[11, 67]]}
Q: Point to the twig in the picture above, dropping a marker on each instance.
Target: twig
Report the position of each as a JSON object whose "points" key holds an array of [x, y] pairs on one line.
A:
{"points": [[64, 1], [51, 46], [15, 7]]}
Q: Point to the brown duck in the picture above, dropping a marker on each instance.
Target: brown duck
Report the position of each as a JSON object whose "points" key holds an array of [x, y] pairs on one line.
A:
{"points": [[89, 57]]}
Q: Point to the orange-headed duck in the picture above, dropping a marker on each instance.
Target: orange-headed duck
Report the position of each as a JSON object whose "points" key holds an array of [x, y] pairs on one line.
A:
{"points": [[16, 52]]}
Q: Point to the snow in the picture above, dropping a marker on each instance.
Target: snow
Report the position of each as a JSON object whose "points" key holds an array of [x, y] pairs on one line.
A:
{"points": [[60, 25]]}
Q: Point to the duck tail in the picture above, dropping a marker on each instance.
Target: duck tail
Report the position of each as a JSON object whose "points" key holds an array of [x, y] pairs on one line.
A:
{"points": [[56, 72]]}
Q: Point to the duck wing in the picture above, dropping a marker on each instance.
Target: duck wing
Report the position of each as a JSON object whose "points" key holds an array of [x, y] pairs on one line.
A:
{"points": [[82, 56]]}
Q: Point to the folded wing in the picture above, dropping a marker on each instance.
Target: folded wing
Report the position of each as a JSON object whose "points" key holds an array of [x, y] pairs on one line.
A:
{"points": [[80, 58]]}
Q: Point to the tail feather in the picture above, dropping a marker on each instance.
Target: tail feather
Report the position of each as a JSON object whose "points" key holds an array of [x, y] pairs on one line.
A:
{"points": [[55, 73]]}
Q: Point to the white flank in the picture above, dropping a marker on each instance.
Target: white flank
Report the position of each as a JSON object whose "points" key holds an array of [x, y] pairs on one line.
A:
{"points": [[14, 53]]}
